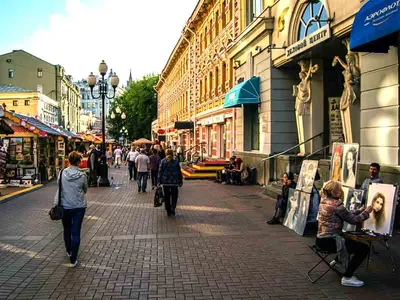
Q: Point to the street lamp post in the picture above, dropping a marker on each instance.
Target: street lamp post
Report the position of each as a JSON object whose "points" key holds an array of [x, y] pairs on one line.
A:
{"points": [[103, 91]]}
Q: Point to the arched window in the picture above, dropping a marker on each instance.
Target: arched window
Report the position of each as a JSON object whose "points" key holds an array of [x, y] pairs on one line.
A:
{"points": [[312, 19]]}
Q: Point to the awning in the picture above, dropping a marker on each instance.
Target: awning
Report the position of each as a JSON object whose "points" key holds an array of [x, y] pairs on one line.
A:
{"points": [[376, 20], [247, 92], [5, 128], [184, 125]]}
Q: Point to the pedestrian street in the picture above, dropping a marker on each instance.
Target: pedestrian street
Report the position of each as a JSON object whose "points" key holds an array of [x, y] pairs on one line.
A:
{"points": [[216, 247]]}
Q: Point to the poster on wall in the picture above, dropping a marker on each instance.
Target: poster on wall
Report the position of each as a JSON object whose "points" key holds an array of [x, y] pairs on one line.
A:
{"points": [[335, 119], [349, 167], [307, 175], [383, 199], [352, 201]]}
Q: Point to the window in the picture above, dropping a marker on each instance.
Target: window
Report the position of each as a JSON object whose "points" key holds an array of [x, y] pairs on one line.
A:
{"points": [[15, 103], [205, 37], [251, 127], [223, 14], [11, 73], [311, 19], [254, 9], [217, 23], [39, 73], [223, 76], [216, 79], [27, 103]]}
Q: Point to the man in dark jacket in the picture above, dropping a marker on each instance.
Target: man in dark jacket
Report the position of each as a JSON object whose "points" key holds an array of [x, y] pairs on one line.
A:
{"points": [[93, 166]]}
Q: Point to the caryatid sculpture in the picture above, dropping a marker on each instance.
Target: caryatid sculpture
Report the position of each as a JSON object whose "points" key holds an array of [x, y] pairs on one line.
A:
{"points": [[302, 92], [351, 89]]}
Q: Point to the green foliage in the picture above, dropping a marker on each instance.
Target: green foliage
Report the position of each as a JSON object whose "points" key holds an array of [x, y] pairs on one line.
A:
{"points": [[139, 102]]}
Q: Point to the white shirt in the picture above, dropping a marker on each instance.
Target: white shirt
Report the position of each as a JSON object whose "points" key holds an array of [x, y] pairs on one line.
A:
{"points": [[118, 152], [132, 155], [142, 162]]}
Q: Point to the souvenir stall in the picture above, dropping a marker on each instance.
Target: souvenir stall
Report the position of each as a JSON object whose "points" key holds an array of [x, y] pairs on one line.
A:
{"points": [[30, 150]]}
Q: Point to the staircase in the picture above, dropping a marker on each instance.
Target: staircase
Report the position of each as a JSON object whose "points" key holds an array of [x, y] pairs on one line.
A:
{"points": [[203, 170], [273, 189]]}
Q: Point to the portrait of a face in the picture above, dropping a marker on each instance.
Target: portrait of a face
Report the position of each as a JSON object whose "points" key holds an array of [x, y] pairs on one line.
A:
{"points": [[302, 213], [307, 175], [336, 162], [349, 165], [382, 198], [292, 207]]}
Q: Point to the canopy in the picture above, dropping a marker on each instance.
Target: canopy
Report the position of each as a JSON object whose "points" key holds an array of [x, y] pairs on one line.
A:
{"points": [[142, 141], [247, 92], [376, 20], [184, 125]]}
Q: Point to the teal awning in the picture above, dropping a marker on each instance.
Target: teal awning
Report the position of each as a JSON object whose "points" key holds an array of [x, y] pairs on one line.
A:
{"points": [[247, 92]]}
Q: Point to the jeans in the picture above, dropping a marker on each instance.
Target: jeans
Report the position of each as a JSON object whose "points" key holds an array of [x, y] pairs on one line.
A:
{"points": [[154, 177], [135, 172], [170, 197], [72, 222], [93, 177], [142, 180], [280, 207], [358, 249], [131, 165]]}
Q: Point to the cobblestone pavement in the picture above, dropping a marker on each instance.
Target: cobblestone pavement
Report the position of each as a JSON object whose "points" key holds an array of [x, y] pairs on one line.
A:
{"points": [[217, 247]]}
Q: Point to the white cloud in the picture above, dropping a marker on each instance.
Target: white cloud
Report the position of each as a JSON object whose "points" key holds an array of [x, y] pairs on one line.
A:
{"points": [[125, 33]]}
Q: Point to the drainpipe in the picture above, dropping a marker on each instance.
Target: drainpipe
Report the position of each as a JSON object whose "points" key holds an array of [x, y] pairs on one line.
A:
{"points": [[190, 79], [166, 97], [195, 74]]}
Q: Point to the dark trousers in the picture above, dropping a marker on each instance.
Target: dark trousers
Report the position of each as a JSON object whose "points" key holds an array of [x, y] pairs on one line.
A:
{"points": [[359, 250], [92, 177], [142, 180], [135, 172], [131, 165], [280, 207], [72, 222], [154, 177], [170, 197]]}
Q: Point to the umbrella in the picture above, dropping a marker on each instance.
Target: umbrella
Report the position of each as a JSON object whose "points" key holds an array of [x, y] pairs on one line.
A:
{"points": [[142, 141]]}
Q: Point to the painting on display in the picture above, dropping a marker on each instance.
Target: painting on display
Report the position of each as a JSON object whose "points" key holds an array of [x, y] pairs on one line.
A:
{"points": [[297, 211], [307, 175], [349, 167], [293, 202], [336, 162], [302, 213], [383, 199], [352, 201]]}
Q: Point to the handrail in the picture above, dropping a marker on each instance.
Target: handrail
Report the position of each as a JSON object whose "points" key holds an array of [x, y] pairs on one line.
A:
{"points": [[195, 146], [323, 148], [291, 148]]}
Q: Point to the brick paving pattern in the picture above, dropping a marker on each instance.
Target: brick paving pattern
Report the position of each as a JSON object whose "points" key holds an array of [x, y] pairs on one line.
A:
{"points": [[217, 247]]}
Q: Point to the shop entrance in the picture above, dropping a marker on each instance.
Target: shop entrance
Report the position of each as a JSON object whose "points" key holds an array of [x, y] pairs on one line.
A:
{"points": [[223, 140]]}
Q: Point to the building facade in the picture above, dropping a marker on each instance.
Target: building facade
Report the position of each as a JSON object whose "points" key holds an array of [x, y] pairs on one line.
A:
{"points": [[29, 103], [264, 78], [24, 70]]}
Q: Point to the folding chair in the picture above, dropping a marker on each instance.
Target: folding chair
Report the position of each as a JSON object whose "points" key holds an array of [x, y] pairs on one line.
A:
{"points": [[323, 255]]}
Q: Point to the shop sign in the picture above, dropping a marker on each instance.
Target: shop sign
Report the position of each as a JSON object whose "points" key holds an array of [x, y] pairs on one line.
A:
{"points": [[311, 40], [213, 120], [161, 131], [335, 119]]}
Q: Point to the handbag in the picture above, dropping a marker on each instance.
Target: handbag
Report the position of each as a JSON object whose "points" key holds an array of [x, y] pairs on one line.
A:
{"points": [[57, 212], [158, 197]]}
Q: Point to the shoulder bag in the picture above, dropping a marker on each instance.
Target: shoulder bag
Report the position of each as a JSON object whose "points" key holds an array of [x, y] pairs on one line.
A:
{"points": [[57, 212]]}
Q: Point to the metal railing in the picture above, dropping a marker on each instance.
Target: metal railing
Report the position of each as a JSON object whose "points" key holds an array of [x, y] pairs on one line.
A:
{"points": [[195, 147], [284, 152]]}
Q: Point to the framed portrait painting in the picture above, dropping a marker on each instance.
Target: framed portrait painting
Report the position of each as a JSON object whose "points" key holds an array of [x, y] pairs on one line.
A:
{"points": [[302, 213], [383, 199], [292, 207], [336, 162], [352, 201], [349, 165], [306, 178]]}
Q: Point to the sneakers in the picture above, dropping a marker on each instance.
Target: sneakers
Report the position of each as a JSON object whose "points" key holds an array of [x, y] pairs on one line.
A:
{"points": [[352, 282], [139, 190], [73, 265]]}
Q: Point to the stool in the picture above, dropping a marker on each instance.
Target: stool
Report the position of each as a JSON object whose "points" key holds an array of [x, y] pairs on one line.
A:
{"points": [[323, 255]]}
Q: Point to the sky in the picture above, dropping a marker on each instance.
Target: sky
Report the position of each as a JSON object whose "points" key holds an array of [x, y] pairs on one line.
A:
{"points": [[78, 34]]}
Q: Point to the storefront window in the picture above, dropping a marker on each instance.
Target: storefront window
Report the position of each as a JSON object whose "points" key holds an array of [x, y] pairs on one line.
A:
{"points": [[313, 18]]}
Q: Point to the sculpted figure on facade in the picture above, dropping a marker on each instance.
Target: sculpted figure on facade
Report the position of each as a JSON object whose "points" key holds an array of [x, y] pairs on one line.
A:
{"points": [[351, 88], [303, 90]]}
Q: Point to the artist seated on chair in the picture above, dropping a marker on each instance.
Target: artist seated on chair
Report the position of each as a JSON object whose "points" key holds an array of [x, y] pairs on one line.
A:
{"points": [[331, 215], [281, 203]]}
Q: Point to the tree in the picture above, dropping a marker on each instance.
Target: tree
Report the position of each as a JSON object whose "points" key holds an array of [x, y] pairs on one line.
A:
{"points": [[139, 102]]}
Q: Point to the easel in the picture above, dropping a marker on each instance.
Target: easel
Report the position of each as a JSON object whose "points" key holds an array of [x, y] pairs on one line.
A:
{"points": [[370, 239]]}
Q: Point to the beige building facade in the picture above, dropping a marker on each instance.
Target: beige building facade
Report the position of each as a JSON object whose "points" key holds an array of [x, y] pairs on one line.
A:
{"points": [[24, 70]]}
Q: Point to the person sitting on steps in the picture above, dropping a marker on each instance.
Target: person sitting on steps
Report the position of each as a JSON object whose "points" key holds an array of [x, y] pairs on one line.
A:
{"points": [[281, 203]]}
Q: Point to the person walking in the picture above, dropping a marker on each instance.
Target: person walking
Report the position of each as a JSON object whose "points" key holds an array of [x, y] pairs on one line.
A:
{"points": [[170, 177], [155, 164], [130, 159], [118, 156], [142, 163], [73, 188], [109, 156]]}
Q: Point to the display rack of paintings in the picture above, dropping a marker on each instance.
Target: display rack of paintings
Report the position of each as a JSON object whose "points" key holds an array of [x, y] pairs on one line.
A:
{"points": [[344, 164], [383, 199]]}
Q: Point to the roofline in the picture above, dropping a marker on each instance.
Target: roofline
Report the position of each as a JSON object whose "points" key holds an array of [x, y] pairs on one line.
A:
{"points": [[192, 16], [29, 54]]}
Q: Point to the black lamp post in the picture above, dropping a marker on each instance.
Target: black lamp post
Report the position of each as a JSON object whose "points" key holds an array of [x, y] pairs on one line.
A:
{"points": [[103, 91]]}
